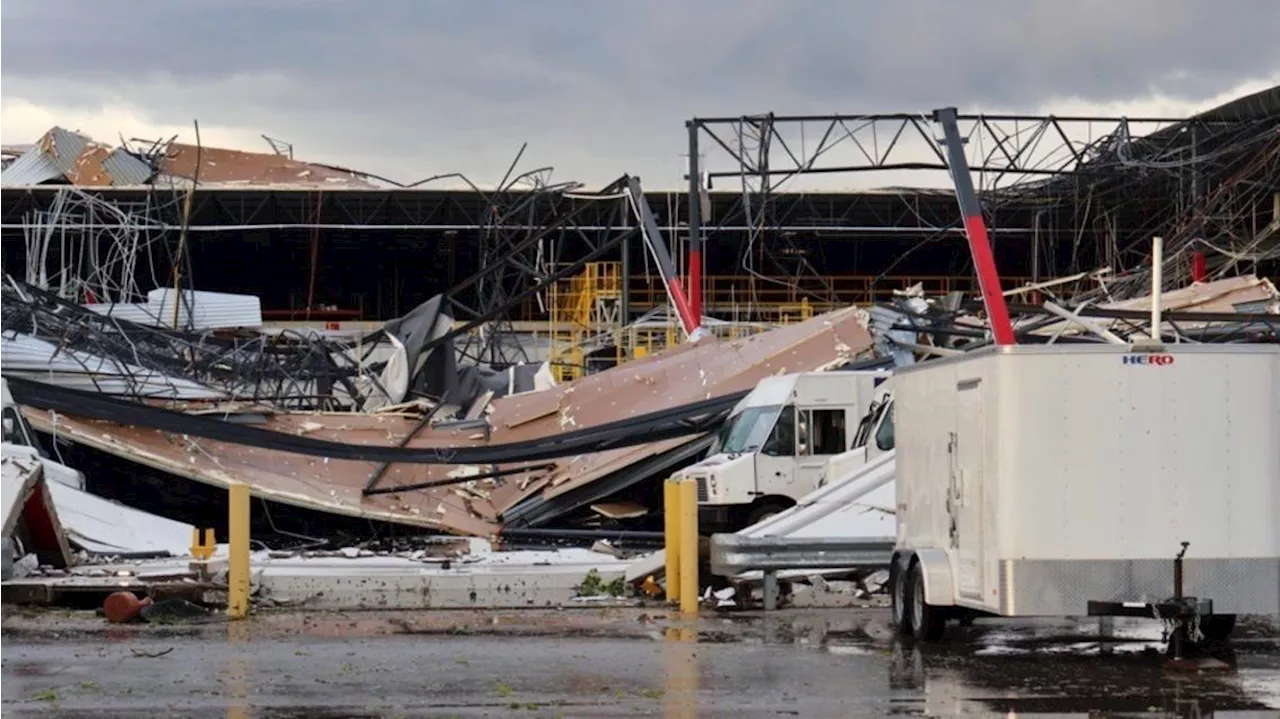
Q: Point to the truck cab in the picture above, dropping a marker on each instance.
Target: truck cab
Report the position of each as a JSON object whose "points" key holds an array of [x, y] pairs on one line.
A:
{"points": [[872, 438], [775, 446]]}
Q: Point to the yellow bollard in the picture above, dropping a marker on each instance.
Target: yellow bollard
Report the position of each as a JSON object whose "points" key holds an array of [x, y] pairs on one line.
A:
{"points": [[238, 562], [202, 550], [688, 494], [671, 540]]}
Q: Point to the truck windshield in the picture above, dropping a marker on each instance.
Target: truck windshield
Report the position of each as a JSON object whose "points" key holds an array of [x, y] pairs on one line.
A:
{"points": [[747, 431]]}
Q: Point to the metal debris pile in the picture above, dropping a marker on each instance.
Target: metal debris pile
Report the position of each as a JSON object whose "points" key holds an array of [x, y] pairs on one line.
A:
{"points": [[51, 339], [1082, 308]]}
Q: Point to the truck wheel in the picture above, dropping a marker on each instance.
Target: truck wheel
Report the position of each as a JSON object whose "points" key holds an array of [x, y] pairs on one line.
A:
{"points": [[927, 621], [901, 603], [1217, 627], [763, 511]]}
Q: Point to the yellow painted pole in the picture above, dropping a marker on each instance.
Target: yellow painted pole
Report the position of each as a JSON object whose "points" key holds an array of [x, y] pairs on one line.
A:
{"points": [[688, 546], [238, 562], [671, 542]]}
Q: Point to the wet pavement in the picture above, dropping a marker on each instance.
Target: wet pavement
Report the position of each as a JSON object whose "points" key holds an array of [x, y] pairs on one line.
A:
{"points": [[614, 663]]}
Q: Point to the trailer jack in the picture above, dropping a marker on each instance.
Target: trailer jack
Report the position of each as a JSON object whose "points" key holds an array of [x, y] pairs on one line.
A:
{"points": [[1181, 616]]}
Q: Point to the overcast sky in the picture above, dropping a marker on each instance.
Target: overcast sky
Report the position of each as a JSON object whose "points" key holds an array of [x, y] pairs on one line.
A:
{"points": [[410, 88]]}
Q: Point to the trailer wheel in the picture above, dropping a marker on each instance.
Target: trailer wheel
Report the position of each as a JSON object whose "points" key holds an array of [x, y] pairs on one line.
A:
{"points": [[927, 621], [1217, 627], [900, 601]]}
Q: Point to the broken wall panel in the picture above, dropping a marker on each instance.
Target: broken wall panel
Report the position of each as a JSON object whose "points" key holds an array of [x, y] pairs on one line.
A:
{"points": [[709, 368]]}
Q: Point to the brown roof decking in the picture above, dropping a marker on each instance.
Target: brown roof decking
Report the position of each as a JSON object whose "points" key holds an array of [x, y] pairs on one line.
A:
{"points": [[685, 374], [219, 166]]}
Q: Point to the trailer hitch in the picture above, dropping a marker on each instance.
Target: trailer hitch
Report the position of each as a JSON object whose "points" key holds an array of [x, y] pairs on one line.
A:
{"points": [[1184, 619], [1180, 614]]}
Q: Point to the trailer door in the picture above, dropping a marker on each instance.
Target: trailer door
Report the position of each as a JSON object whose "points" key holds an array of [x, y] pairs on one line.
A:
{"points": [[967, 480]]}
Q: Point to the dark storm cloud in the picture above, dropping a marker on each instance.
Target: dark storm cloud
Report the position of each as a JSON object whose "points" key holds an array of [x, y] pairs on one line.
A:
{"points": [[609, 80]]}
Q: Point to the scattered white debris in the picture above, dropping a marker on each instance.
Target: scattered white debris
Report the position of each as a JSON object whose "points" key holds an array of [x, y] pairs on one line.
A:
{"points": [[308, 427], [26, 566]]}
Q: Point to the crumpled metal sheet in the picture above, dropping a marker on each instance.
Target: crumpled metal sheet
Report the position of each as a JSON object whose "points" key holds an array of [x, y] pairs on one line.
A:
{"points": [[1245, 294], [70, 156], [684, 374]]}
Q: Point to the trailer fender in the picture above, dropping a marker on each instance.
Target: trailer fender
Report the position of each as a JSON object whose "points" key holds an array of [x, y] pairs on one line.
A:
{"points": [[939, 589]]}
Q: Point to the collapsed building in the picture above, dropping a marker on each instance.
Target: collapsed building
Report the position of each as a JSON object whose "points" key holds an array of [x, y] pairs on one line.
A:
{"points": [[470, 497], [594, 341]]}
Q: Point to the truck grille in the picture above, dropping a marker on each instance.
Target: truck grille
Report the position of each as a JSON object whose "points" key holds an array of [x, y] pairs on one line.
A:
{"points": [[702, 489]]}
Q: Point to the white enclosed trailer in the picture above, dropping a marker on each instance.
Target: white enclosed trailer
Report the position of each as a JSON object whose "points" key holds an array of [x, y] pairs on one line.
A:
{"points": [[1063, 481]]}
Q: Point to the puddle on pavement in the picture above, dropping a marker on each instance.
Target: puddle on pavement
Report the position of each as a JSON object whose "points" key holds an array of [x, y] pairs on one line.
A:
{"points": [[952, 681], [1031, 668], [1074, 668], [1036, 668]]}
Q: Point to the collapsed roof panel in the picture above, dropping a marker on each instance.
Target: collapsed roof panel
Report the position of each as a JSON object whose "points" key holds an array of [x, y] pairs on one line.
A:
{"points": [[61, 156], [709, 368], [219, 166], [69, 157], [47, 160], [125, 170]]}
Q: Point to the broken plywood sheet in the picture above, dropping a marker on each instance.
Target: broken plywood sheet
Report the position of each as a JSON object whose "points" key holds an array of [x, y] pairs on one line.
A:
{"points": [[690, 373]]}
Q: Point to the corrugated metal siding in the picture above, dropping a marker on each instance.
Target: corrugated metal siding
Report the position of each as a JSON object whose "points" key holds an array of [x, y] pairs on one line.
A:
{"points": [[33, 168], [52, 157], [200, 310], [125, 169], [36, 359], [209, 310], [63, 147], [141, 313]]}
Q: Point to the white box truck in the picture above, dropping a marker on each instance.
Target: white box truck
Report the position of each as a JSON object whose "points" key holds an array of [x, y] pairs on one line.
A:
{"points": [[1089, 480], [775, 444]]}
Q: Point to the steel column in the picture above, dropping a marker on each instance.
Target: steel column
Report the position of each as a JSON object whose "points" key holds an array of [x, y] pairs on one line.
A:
{"points": [[976, 229], [695, 226]]}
